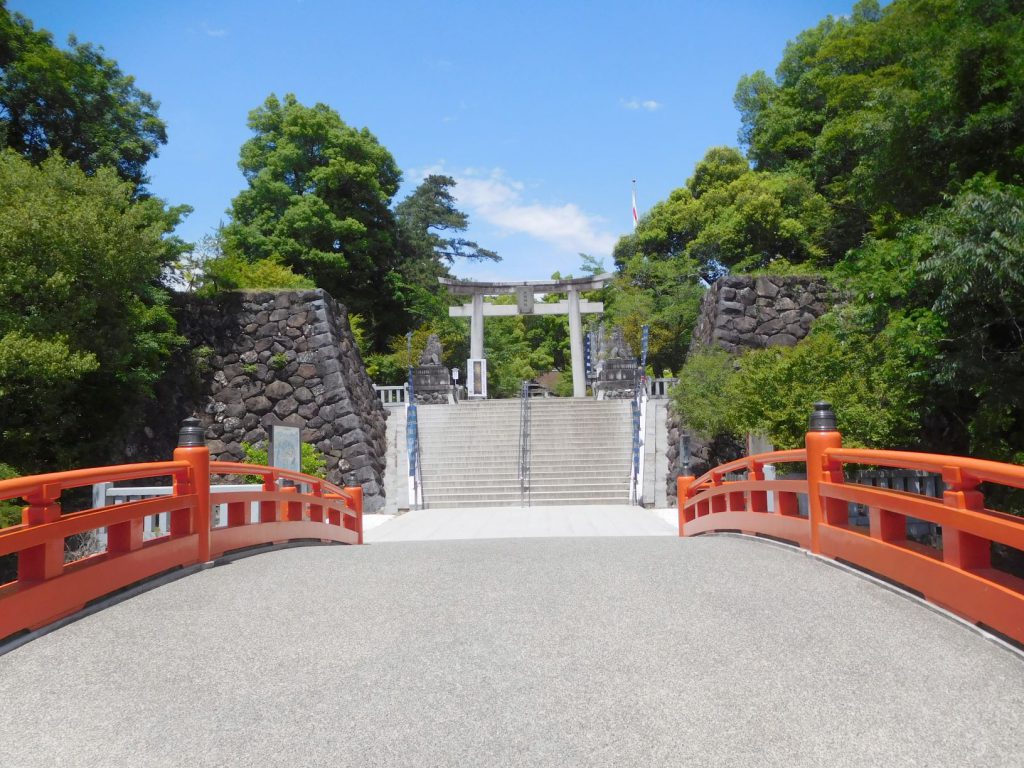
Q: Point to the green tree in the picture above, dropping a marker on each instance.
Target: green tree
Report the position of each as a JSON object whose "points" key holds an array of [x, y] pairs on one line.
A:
{"points": [[10, 512], [392, 366], [317, 202], [887, 109], [718, 167], [974, 265], [84, 327], [664, 294], [76, 102], [428, 223], [759, 218], [868, 378], [517, 350], [430, 210], [702, 397], [729, 218]]}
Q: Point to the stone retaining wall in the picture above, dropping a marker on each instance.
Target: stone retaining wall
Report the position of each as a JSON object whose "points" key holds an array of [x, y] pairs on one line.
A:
{"points": [[256, 359], [741, 312]]}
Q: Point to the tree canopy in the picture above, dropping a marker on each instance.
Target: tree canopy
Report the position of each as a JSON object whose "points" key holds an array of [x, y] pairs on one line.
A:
{"points": [[76, 102], [84, 327], [887, 152], [430, 210], [730, 218], [318, 201], [887, 110]]}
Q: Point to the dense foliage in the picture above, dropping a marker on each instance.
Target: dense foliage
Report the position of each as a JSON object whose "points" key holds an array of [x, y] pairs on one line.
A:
{"points": [[76, 102], [318, 208], [317, 201], [84, 328], [311, 461], [888, 153]]}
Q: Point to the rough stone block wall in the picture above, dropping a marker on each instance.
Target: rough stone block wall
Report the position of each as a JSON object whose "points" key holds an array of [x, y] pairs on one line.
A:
{"points": [[256, 359], [742, 312]]}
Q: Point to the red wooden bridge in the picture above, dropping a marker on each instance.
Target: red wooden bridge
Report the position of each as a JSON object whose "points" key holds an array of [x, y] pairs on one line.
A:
{"points": [[709, 650]]}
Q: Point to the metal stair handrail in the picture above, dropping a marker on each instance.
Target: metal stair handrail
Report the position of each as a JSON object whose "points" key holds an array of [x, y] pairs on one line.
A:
{"points": [[636, 412], [524, 445]]}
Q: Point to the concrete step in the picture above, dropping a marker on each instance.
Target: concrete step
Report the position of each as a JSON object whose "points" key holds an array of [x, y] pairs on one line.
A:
{"points": [[517, 503], [537, 444], [614, 489], [511, 469], [515, 418], [580, 452], [514, 413], [547, 474], [574, 449], [479, 487]]}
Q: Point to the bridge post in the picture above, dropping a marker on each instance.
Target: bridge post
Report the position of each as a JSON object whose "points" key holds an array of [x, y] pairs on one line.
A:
{"points": [[683, 483], [821, 435], [43, 561], [355, 494], [192, 449]]}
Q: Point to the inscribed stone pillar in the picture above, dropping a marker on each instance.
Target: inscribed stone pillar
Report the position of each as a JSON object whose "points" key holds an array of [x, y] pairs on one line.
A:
{"points": [[476, 327], [579, 376]]}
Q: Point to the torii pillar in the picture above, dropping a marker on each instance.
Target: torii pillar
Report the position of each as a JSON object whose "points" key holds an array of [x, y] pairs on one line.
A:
{"points": [[525, 305]]}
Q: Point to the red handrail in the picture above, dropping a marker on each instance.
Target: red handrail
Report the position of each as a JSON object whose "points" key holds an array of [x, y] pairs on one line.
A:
{"points": [[748, 464], [237, 468], [982, 471], [958, 575], [46, 589], [21, 487]]}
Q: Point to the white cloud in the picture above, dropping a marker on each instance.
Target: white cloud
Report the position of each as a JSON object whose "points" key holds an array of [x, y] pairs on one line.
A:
{"points": [[498, 200], [414, 176], [648, 104], [211, 32]]}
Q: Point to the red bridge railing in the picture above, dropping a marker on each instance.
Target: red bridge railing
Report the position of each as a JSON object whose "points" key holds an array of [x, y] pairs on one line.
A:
{"points": [[46, 589], [957, 575]]}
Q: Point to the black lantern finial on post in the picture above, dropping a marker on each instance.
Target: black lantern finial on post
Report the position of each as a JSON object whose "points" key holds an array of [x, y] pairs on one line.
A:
{"points": [[191, 433], [823, 418]]}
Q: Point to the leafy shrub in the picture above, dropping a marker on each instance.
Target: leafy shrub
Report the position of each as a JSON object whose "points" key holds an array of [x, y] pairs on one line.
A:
{"points": [[10, 512], [311, 460], [201, 357], [229, 272], [871, 380], [702, 395], [85, 330]]}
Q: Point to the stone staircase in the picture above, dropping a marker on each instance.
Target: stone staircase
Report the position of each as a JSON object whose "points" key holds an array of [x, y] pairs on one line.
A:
{"points": [[580, 452]]}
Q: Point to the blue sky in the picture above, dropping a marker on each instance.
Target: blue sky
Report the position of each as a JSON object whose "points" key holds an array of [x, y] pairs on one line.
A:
{"points": [[543, 112]]}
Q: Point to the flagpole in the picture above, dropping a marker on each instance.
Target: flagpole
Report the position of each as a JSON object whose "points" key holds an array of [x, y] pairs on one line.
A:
{"points": [[635, 216]]}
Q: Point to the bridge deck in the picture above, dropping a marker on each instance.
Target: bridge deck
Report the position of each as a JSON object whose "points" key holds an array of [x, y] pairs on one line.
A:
{"points": [[526, 652]]}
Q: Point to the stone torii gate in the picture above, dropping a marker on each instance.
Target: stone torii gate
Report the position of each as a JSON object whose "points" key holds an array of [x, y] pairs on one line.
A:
{"points": [[525, 305]]}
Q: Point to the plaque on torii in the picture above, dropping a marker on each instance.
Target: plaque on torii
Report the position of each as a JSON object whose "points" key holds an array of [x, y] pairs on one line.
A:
{"points": [[525, 291]]}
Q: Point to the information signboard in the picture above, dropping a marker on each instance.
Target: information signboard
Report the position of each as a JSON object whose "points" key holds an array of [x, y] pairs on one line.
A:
{"points": [[285, 449]]}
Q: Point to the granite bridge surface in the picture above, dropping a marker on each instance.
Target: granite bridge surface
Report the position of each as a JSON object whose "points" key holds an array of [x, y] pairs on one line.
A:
{"points": [[546, 650]]}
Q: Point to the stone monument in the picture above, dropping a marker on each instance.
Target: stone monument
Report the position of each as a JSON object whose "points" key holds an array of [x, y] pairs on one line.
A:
{"points": [[616, 366], [430, 381]]}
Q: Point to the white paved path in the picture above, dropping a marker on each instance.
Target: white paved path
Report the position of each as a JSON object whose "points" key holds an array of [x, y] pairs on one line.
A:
{"points": [[520, 523]]}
